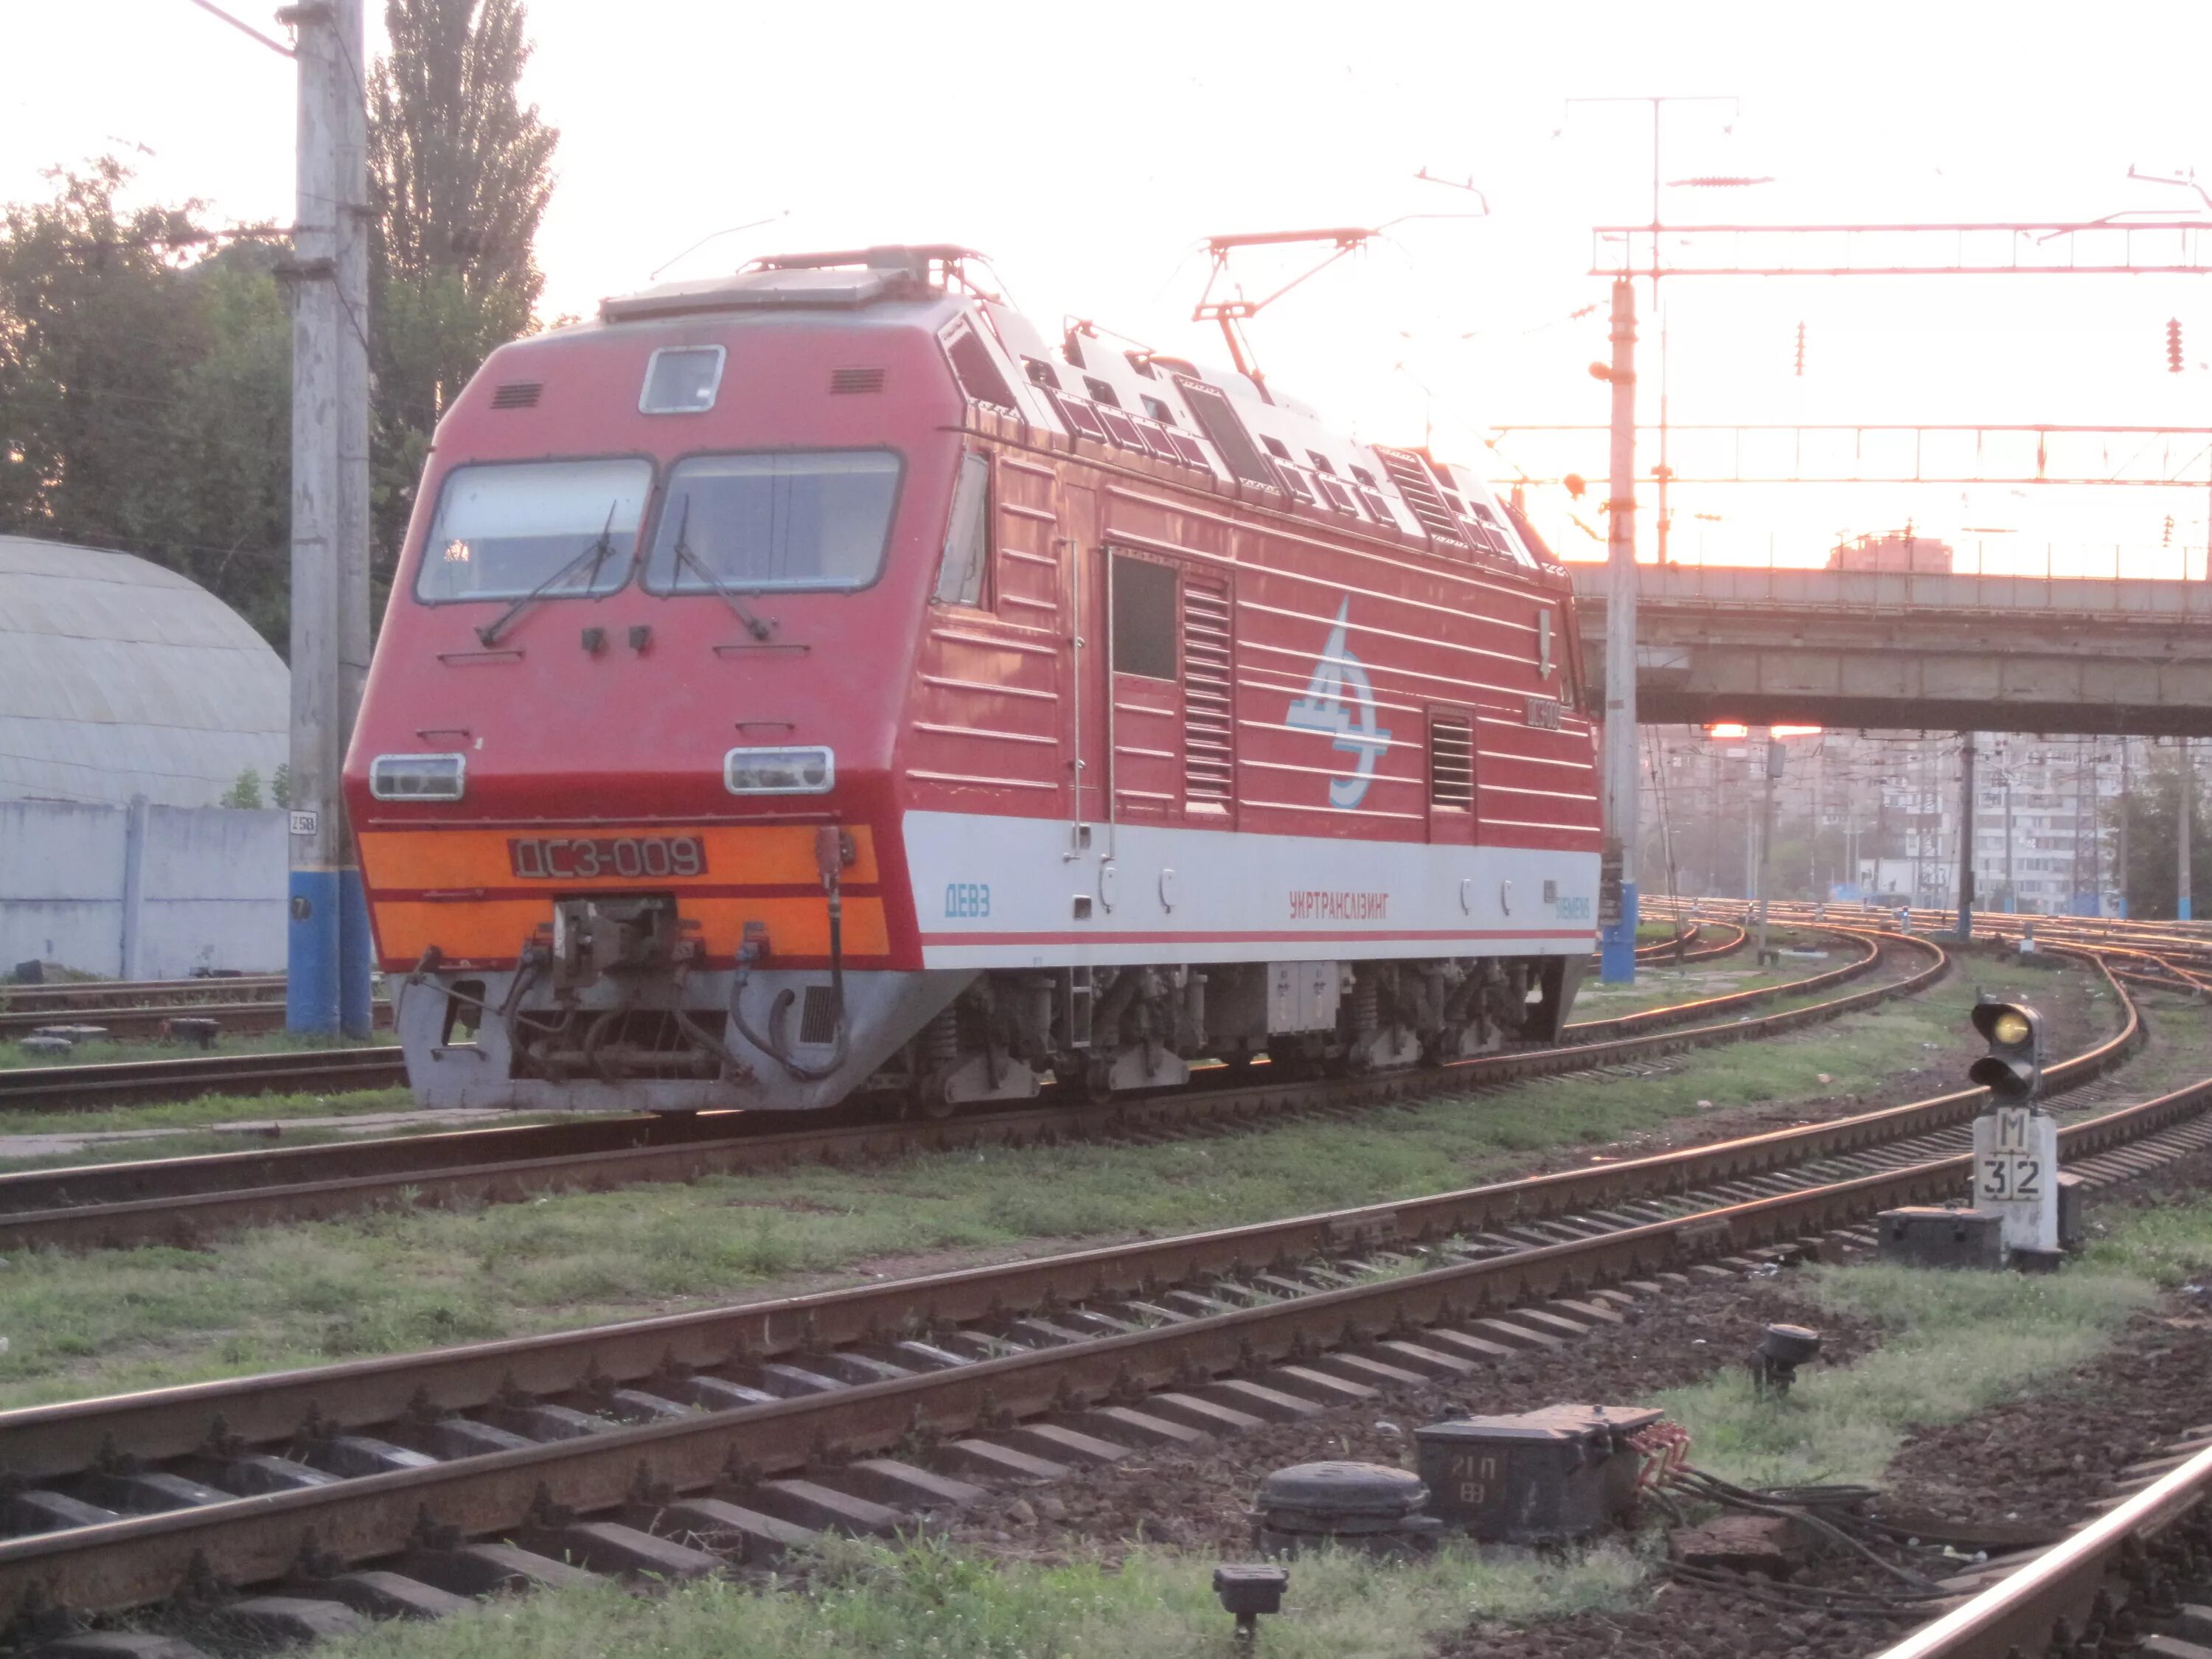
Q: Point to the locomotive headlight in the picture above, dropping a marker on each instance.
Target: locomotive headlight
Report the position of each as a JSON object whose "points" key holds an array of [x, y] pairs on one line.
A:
{"points": [[417, 777], [808, 770]]}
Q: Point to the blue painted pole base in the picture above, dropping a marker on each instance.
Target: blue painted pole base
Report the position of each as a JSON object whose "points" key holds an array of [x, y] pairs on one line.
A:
{"points": [[1616, 962], [311, 954], [2183, 914], [356, 956]]}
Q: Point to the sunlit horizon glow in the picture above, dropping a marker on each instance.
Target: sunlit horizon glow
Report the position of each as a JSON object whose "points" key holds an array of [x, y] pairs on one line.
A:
{"points": [[873, 123]]}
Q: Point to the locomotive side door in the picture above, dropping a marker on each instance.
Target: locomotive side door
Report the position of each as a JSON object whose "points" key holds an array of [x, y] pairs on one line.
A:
{"points": [[1170, 726]]}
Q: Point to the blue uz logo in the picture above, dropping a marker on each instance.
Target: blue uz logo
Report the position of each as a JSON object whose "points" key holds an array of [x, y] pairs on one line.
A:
{"points": [[1340, 701]]}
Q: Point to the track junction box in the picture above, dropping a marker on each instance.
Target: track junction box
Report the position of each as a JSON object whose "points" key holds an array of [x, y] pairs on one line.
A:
{"points": [[1562, 1472]]}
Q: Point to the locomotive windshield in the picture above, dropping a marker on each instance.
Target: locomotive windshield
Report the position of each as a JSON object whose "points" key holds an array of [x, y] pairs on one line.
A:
{"points": [[506, 530], [784, 520]]}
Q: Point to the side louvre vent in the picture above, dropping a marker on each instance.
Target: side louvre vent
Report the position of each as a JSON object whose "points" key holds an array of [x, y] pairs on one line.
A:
{"points": [[1208, 716], [844, 381], [1451, 762], [518, 394], [1411, 474]]}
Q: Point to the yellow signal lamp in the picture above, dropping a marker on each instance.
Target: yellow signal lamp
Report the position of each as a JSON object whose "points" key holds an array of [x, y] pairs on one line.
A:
{"points": [[2012, 1071]]}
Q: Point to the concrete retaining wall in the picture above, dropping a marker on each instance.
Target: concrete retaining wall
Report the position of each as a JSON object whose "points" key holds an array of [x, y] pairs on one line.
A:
{"points": [[142, 891]]}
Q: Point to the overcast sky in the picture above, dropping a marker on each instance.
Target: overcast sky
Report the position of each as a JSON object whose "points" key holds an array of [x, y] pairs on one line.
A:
{"points": [[1088, 148]]}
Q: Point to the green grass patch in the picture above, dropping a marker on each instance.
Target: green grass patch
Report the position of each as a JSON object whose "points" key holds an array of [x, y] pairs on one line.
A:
{"points": [[2169, 1244], [1954, 1344], [1661, 984], [926, 1600], [393, 1280]]}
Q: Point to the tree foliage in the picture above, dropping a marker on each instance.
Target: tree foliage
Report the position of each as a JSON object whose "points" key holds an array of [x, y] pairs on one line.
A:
{"points": [[145, 358], [460, 173], [144, 387], [2151, 810]]}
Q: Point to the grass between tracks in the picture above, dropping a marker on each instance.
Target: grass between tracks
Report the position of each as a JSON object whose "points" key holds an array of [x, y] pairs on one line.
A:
{"points": [[398, 1280], [1662, 983], [1954, 1344], [927, 1600]]}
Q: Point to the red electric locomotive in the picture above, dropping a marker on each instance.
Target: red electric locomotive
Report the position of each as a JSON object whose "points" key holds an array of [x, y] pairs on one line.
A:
{"points": [[811, 682]]}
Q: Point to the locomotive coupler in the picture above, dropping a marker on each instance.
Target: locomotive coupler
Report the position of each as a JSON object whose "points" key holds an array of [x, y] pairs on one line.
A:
{"points": [[603, 934]]}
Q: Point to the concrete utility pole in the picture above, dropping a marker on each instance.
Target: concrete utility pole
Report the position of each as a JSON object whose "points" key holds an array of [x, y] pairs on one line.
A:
{"points": [[2126, 807], [1965, 835], [1617, 891], [2182, 833], [327, 954], [1767, 837], [2012, 886]]}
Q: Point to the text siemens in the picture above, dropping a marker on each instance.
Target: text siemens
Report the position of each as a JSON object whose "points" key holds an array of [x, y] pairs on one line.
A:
{"points": [[1339, 906]]}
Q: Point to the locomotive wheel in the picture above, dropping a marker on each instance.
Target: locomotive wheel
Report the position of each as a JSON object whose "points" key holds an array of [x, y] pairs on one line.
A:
{"points": [[929, 1099], [1097, 1080]]}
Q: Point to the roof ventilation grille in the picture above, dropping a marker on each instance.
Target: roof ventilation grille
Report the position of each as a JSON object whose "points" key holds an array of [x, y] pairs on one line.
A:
{"points": [[844, 381], [518, 394], [1419, 491]]}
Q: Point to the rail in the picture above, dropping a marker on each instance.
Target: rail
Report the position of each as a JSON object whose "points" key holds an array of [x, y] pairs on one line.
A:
{"points": [[2021, 1613]]}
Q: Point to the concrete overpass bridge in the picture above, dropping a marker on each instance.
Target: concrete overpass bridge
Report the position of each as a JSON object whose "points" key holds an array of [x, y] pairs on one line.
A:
{"points": [[1911, 650]]}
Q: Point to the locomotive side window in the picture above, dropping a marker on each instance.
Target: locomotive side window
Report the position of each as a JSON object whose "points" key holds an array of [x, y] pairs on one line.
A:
{"points": [[1144, 618], [505, 529], [966, 535], [816, 519]]}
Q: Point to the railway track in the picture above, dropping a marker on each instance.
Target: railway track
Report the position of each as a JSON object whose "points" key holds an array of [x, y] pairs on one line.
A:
{"points": [[666, 1445], [88, 996], [2126, 1564], [246, 1007], [253, 1004], [186, 1200], [238, 1018]]}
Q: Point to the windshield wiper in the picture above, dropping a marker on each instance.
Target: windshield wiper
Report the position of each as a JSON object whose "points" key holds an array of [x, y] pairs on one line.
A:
{"points": [[598, 553], [757, 626]]}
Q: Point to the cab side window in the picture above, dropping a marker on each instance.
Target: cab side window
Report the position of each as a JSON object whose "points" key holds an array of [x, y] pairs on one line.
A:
{"points": [[961, 577]]}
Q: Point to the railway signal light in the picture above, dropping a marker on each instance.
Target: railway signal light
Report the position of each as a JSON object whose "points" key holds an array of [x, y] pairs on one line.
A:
{"points": [[2012, 1069], [2173, 345]]}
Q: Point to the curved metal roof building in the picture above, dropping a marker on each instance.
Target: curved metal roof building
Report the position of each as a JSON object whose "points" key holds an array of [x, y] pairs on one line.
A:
{"points": [[119, 678]]}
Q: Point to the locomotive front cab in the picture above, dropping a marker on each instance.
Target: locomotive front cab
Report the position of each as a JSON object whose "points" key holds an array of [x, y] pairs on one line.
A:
{"points": [[623, 772]]}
